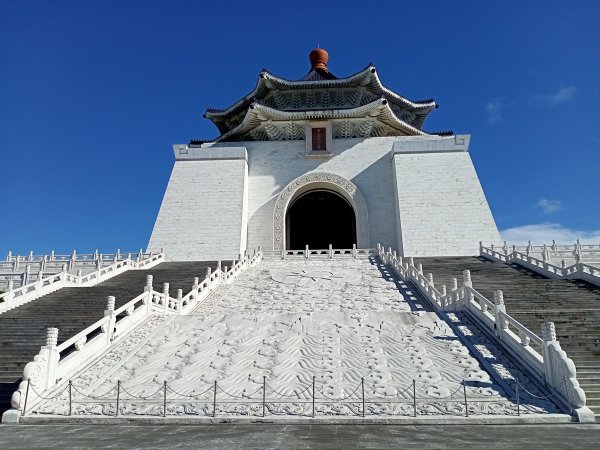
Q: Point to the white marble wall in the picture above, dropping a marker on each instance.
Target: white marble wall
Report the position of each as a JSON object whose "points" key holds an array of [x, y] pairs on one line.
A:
{"points": [[202, 216], [422, 195]]}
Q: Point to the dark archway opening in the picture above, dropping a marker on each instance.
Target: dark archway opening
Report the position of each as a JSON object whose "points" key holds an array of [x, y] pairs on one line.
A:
{"points": [[319, 218]]}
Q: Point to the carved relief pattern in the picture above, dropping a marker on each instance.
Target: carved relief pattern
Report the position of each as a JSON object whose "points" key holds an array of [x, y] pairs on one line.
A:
{"points": [[341, 183]]}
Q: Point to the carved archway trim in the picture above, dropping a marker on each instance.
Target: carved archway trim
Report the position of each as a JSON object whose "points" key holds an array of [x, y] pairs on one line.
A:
{"points": [[321, 180]]}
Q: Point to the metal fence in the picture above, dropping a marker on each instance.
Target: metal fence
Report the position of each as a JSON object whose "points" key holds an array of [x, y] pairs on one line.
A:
{"points": [[307, 400]]}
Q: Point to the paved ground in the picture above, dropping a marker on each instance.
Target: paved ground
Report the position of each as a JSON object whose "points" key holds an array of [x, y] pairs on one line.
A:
{"points": [[301, 436]]}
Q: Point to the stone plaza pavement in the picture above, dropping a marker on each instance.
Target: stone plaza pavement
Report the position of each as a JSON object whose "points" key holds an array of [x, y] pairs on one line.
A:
{"points": [[560, 436]]}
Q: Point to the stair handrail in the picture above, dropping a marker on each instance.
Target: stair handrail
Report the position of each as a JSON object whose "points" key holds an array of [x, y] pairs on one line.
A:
{"points": [[550, 364], [578, 270], [45, 285], [48, 369]]}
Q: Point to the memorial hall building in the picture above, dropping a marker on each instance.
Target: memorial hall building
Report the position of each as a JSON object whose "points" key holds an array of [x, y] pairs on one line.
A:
{"points": [[319, 161]]}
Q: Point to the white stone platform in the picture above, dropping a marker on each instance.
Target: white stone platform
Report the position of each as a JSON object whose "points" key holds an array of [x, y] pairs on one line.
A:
{"points": [[340, 321]]}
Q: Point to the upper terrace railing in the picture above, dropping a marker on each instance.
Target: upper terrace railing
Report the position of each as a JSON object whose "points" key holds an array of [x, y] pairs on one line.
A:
{"points": [[327, 253], [543, 265], [60, 362], [24, 269], [542, 356], [44, 285]]}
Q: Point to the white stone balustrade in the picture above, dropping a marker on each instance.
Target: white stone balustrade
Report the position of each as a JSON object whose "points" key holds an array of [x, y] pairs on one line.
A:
{"points": [[325, 253], [58, 363], [542, 358], [24, 269], [579, 270], [43, 286]]}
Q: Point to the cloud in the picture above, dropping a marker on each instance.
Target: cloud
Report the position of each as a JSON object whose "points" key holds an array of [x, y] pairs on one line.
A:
{"points": [[544, 233], [548, 206], [494, 110], [563, 95]]}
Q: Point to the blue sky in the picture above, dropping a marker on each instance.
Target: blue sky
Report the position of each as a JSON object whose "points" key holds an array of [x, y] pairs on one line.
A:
{"points": [[94, 93]]}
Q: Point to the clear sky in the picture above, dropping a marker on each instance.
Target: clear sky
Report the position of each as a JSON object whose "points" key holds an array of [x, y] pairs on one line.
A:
{"points": [[94, 93]]}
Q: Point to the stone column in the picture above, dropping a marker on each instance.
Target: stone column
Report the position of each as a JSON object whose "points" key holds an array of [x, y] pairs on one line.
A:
{"points": [[112, 319]]}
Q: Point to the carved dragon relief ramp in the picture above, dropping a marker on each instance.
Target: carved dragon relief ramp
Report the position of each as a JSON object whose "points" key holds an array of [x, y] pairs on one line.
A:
{"points": [[297, 339]]}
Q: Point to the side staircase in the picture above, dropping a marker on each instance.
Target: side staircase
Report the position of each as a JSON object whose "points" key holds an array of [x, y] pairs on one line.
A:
{"points": [[23, 330], [573, 305]]}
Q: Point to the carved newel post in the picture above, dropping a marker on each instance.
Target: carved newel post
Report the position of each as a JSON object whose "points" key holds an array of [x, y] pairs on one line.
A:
{"points": [[148, 290], [499, 307], [468, 284], [50, 354], [195, 288], [109, 312], [166, 297]]}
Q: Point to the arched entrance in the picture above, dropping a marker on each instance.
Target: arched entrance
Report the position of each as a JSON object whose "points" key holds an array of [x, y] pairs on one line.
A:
{"points": [[319, 181], [318, 218]]}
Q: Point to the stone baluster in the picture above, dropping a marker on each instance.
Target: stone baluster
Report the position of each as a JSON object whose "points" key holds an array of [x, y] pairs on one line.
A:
{"points": [[195, 288], [306, 252], [354, 250], [16, 262], [283, 253], [430, 279], [50, 355], [545, 254], [148, 290], [420, 268], [467, 282], [330, 251], [139, 256], [112, 319], [9, 289], [529, 248], [26, 275], [96, 254], [225, 274], [118, 255], [43, 263], [219, 271], [505, 248], [548, 338], [178, 305], [166, 297], [129, 256], [30, 256], [9, 256], [554, 246], [40, 276], [79, 276], [500, 324], [454, 293]]}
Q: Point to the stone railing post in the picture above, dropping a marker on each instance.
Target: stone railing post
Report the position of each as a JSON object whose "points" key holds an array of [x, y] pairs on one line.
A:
{"points": [[195, 288], [548, 338], [468, 284], [208, 275], [166, 298], [9, 289], [148, 290], [330, 251], [306, 252], [9, 256], [420, 268], [52, 357], [500, 324], [179, 297], [220, 272], [112, 319], [354, 251]]}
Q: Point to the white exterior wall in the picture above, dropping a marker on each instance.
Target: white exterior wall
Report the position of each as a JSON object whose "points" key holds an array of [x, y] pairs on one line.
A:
{"points": [[441, 205], [202, 216], [422, 194], [365, 162]]}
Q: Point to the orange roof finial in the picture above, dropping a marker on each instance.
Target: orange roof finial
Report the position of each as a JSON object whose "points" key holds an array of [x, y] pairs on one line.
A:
{"points": [[318, 59]]}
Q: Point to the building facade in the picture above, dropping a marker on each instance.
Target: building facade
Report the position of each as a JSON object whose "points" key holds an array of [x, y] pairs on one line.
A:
{"points": [[318, 161]]}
